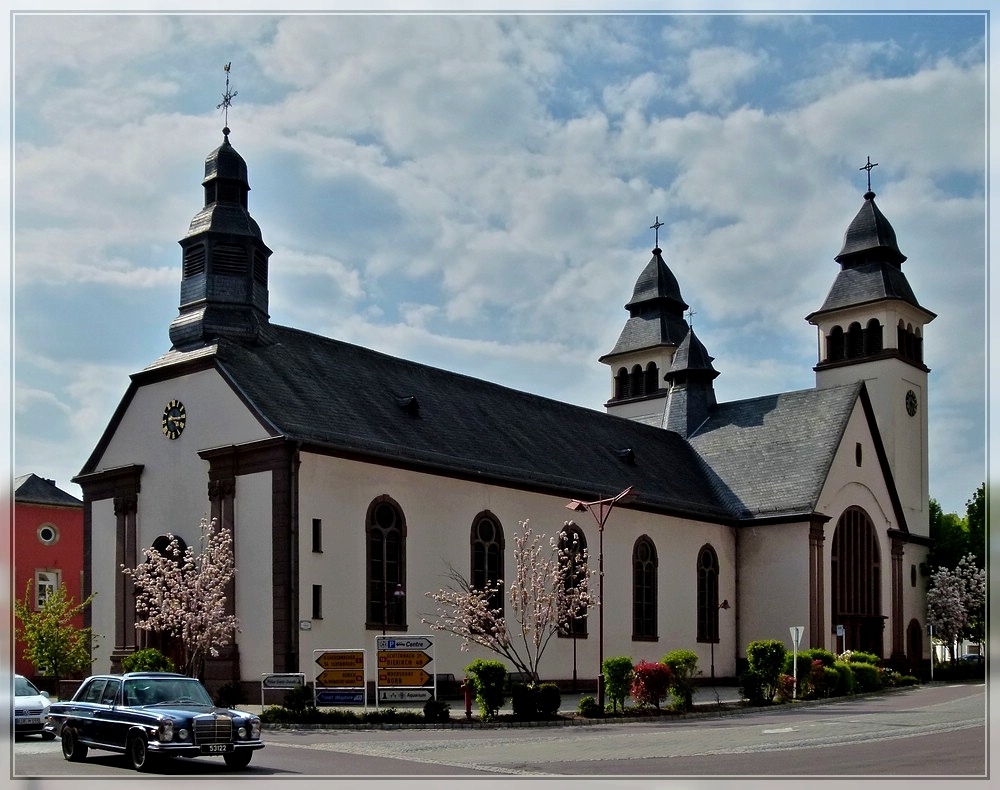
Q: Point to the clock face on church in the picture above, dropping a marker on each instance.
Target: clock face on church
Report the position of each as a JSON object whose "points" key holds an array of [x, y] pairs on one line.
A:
{"points": [[911, 402], [174, 418]]}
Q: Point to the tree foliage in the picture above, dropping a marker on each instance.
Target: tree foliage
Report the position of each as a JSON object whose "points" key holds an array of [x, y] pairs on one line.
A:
{"points": [[183, 594], [956, 602], [54, 646], [548, 591]]}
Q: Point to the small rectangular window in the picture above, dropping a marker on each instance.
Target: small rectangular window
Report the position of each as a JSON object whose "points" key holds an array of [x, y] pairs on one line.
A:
{"points": [[317, 535], [317, 607], [45, 583]]}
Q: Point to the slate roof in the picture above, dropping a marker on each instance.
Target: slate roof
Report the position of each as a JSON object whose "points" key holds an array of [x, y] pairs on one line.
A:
{"points": [[770, 456], [869, 282], [35, 490], [344, 398]]}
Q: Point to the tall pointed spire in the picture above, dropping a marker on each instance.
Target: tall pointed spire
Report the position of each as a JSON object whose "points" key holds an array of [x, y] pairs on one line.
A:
{"points": [[225, 261]]}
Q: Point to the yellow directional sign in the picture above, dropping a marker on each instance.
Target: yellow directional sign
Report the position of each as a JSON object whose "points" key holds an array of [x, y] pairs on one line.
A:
{"points": [[403, 659], [402, 677], [342, 659], [336, 678]]}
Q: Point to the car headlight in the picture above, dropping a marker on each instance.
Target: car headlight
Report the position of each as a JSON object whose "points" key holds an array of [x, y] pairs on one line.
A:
{"points": [[166, 731], [182, 734], [255, 728]]}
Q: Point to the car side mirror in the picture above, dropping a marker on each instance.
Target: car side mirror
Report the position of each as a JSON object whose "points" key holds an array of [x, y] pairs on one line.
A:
{"points": [[45, 694]]}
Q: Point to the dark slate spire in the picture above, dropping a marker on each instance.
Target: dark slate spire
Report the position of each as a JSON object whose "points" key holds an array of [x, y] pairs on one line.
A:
{"points": [[692, 396], [870, 263], [225, 261], [656, 310]]}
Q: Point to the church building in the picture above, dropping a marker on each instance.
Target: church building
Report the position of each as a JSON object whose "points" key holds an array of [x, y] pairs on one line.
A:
{"points": [[353, 480]]}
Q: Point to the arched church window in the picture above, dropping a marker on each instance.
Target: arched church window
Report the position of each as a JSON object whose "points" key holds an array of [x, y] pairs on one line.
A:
{"points": [[385, 531], [855, 567], [621, 384], [644, 564], [918, 346], [637, 381], [708, 595], [487, 555], [835, 344], [652, 378], [873, 337], [855, 341], [573, 551]]}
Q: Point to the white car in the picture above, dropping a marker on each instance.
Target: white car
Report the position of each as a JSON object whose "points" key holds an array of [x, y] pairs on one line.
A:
{"points": [[31, 707]]}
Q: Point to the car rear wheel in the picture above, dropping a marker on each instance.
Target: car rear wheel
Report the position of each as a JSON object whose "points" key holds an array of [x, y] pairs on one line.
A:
{"points": [[138, 752], [238, 759], [72, 749]]}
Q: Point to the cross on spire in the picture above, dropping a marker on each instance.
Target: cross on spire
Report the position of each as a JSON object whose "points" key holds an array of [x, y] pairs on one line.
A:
{"points": [[690, 317], [227, 99], [869, 167], [655, 227]]}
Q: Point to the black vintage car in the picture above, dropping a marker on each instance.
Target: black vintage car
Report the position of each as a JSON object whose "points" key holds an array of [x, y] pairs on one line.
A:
{"points": [[145, 715]]}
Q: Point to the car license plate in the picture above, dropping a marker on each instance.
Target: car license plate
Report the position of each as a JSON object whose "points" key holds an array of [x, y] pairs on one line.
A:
{"points": [[28, 720], [217, 748]]}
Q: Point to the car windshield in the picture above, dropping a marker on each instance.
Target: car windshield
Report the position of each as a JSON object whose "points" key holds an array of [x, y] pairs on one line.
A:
{"points": [[165, 691], [24, 688]]}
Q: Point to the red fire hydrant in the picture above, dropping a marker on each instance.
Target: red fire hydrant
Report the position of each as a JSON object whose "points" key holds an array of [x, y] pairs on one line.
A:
{"points": [[469, 690]]}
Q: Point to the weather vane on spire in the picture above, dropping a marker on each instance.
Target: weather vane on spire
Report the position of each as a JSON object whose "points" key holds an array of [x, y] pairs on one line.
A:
{"points": [[227, 98], [655, 227], [869, 167]]}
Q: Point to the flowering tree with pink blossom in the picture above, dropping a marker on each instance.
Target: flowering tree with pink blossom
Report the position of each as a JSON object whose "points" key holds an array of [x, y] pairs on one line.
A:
{"points": [[183, 594], [549, 590], [955, 602]]}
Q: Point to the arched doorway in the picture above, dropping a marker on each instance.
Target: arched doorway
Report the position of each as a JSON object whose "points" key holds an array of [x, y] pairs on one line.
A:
{"points": [[914, 645], [856, 573]]}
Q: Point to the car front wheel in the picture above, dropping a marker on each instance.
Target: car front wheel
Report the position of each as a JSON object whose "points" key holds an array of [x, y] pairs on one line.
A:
{"points": [[138, 752], [238, 759], [72, 749]]}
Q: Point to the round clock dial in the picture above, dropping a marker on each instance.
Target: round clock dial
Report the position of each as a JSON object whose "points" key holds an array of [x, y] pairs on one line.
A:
{"points": [[174, 418], [911, 402]]}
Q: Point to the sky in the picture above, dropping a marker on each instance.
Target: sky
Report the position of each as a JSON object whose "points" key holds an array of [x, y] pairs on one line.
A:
{"points": [[475, 191]]}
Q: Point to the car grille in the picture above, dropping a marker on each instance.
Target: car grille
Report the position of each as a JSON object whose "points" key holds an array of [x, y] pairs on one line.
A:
{"points": [[213, 729], [27, 711]]}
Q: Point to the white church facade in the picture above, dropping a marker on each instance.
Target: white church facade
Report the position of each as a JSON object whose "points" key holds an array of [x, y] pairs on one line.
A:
{"points": [[348, 475]]}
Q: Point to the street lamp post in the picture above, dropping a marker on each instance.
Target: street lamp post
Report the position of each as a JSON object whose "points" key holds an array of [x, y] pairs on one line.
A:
{"points": [[724, 605], [600, 509]]}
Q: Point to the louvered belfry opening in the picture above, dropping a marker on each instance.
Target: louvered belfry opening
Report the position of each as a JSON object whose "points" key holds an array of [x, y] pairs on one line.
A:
{"points": [[857, 582]]}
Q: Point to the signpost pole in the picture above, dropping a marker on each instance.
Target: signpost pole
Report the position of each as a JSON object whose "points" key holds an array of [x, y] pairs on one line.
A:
{"points": [[796, 632]]}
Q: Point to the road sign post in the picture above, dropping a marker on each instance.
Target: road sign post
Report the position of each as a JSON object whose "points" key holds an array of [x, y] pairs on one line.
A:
{"points": [[280, 680], [404, 672], [340, 678], [796, 632]]}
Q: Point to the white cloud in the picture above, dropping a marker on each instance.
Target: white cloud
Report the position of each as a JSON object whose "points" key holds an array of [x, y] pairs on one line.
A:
{"points": [[714, 73]]}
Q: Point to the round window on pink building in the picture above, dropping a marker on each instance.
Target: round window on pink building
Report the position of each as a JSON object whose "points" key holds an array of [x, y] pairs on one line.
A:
{"points": [[48, 534]]}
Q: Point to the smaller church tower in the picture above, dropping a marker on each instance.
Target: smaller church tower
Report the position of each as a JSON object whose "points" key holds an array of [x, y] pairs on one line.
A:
{"points": [[224, 277], [691, 395], [647, 343], [871, 329]]}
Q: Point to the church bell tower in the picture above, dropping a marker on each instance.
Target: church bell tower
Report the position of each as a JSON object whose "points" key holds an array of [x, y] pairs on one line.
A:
{"points": [[871, 329]]}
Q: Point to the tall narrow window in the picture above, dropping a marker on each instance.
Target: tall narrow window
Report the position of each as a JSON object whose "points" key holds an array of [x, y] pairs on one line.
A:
{"points": [[708, 595], [487, 555], [856, 585], [644, 564], [621, 384], [652, 378], [386, 534], [835, 345], [317, 534], [573, 547], [317, 602], [855, 341]]}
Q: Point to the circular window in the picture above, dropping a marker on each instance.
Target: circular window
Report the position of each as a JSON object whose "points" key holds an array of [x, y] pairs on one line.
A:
{"points": [[48, 534]]}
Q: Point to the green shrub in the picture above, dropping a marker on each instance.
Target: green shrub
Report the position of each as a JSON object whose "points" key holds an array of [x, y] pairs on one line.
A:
{"points": [[867, 677], [588, 708], [844, 684], [684, 667], [859, 657], [524, 701], [149, 659], [549, 700], [766, 657], [437, 711], [230, 695], [752, 687], [299, 698], [490, 678], [617, 673]]}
